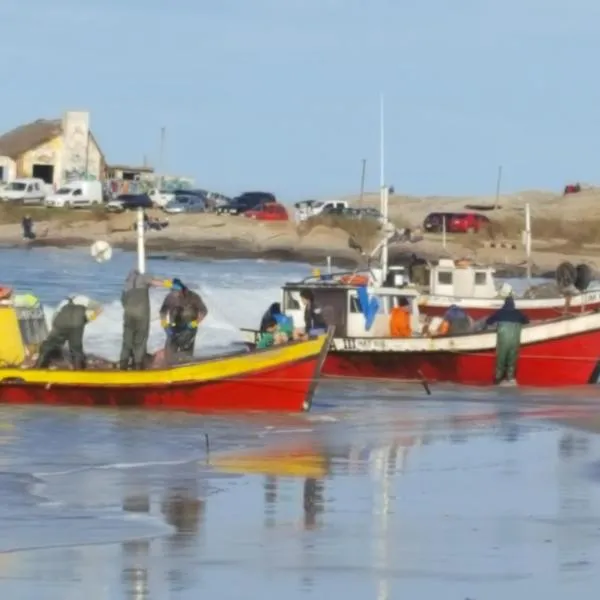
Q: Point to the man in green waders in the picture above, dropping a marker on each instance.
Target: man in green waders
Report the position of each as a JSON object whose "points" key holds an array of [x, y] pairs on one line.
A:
{"points": [[510, 321], [136, 317]]}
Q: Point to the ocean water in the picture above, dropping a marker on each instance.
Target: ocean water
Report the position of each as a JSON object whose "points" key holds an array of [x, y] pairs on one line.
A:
{"points": [[481, 494]]}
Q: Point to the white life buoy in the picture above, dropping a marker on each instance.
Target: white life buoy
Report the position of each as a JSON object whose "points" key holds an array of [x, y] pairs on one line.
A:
{"points": [[101, 251]]}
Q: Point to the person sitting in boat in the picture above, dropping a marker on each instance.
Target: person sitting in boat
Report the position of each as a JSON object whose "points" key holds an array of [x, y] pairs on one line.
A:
{"points": [[271, 335], [314, 322], [510, 321], [400, 317], [181, 313], [455, 322], [285, 324], [68, 325]]}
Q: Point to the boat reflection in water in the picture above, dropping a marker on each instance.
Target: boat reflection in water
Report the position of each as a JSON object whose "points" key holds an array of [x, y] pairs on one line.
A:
{"points": [[309, 486]]}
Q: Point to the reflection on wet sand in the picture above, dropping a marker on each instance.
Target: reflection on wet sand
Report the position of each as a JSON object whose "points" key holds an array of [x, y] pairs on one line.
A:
{"points": [[183, 510], [460, 499]]}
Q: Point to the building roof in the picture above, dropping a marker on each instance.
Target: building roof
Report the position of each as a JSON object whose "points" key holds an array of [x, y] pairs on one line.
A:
{"points": [[130, 168], [26, 137]]}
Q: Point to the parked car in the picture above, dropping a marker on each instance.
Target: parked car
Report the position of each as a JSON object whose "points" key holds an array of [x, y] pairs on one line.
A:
{"points": [[28, 190], [467, 222], [76, 194], [218, 200], [185, 204], [129, 202], [273, 211], [246, 201], [371, 213], [161, 198]]}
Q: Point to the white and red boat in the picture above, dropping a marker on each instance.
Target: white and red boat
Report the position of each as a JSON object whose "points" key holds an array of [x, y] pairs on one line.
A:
{"points": [[563, 351], [474, 289]]}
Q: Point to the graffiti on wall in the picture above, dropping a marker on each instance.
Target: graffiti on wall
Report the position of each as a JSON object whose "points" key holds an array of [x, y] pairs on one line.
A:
{"points": [[78, 175], [147, 184]]}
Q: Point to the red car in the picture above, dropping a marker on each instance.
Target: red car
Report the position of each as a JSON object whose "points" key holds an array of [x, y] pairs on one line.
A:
{"points": [[465, 222], [268, 212]]}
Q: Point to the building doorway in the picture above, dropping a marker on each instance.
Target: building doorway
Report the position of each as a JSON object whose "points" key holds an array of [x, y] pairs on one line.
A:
{"points": [[43, 172]]}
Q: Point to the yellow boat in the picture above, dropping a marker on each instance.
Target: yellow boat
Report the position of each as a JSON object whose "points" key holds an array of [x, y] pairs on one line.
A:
{"points": [[280, 378]]}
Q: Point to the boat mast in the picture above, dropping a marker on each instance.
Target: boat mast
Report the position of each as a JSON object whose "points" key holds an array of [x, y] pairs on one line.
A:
{"points": [[141, 247], [383, 190]]}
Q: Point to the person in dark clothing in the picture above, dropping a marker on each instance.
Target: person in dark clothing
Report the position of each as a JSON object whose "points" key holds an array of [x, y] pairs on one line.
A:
{"points": [[27, 226], [285, 324], [314, 323], [181, 313], [274, 309], [455, 322], [136, 317], [67, 328], [510, 321]]}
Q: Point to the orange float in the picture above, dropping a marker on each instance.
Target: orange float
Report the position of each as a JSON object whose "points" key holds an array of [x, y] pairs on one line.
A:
{"points": [[354, 279]]}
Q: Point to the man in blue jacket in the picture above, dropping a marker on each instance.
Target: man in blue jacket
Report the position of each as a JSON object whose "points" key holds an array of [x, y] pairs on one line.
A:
{"points": [[510, 321]]}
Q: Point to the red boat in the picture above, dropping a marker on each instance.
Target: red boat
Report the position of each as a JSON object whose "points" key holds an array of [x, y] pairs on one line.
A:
{"points": [[474, 289], [281, 378], [564, 351]]}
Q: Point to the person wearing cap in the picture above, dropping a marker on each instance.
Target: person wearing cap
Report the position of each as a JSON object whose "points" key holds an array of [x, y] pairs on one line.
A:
{"points": [[181, 313], [68, 326], [135, 299]]}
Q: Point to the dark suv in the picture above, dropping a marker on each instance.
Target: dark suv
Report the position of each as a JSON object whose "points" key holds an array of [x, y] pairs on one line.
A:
{"points": [[246, 201]]}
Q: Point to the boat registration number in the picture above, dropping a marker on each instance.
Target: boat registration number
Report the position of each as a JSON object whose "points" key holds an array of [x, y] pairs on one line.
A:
{"points": [[358, 344]]}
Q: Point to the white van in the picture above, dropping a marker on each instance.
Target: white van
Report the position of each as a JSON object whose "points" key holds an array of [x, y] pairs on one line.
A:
{"points": [[27, 190], [76, 194]]}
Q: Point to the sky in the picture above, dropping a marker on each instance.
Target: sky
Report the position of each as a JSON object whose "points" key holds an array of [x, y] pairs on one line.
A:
{"points": [[283, 95]]}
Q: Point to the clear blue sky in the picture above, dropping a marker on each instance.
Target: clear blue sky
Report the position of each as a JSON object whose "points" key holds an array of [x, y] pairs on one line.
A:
{"points": [[283, 95]]}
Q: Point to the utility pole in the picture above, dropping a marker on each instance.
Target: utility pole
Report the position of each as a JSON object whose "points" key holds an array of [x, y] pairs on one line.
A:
{"points": [[498, 183], [161, 158], [362, 182]]}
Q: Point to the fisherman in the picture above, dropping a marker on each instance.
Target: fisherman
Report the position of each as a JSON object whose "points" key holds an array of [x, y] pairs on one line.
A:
{"points": [[454, 322], [271, 335], [27, 226], [400, 319], [510, 321], [68, 325], [135, 299], [181, 313], [285, 324], [314, 323]]}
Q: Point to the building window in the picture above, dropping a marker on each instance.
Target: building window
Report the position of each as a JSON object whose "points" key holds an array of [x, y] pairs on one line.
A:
{"points": [[445, 278], [480, 278]]}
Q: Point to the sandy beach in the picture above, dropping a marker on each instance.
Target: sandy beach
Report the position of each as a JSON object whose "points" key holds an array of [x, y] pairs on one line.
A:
{"points": [[564, 228]]}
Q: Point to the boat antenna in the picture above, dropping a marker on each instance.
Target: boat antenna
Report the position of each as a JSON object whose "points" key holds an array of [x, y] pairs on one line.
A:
{"points": [[383, 190]]}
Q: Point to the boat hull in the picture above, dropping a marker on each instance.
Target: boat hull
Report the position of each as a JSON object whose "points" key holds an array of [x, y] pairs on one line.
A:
{"points": [[282, 379], [539, 366], [563, 353]]}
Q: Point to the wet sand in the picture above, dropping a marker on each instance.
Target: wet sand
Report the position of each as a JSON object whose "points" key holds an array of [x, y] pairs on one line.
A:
{"points": [[467, 494]]}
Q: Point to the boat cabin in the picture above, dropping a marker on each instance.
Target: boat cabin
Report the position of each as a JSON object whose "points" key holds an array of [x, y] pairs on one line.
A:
{"points": [[341, 307], [23, 325], [461, 279]]}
